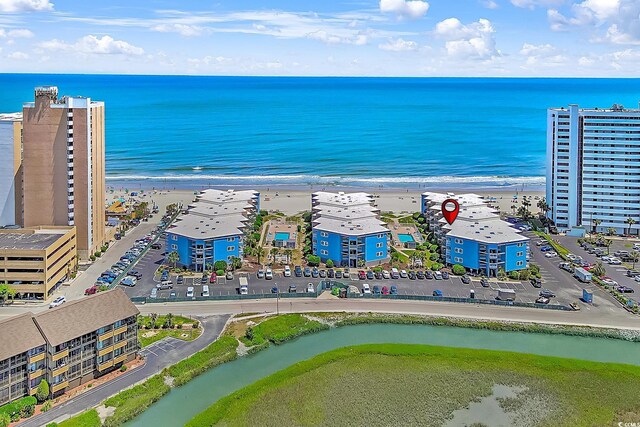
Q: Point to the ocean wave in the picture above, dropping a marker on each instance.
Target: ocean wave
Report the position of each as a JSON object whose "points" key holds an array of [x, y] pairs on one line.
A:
{"points": [[339, 180]]}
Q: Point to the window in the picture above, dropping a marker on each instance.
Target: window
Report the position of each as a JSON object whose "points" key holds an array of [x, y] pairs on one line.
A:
{"points": [[324, 234], [458, 250], [231, 239], [457, 260], [521, 244], [174, 237], [230, 248], [379, 254], [379, 245], [519, 253], [457, 241], [324, 243], [324, 252], [519, 263], [174, 247], [380, 236]]}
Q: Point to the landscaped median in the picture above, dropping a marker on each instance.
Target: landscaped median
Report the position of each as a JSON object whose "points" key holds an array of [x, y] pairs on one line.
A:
{"points": [[561, 250], [256, 332], [153, 328]]}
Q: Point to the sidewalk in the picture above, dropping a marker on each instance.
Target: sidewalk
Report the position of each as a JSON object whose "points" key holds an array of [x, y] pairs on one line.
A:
{"points": [[155, 362]]}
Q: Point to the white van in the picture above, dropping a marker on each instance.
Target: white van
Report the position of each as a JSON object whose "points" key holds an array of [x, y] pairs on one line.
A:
{"points": [[205, 290], [190, 292]]}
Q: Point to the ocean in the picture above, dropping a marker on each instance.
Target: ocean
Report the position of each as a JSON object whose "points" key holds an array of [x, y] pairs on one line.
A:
{"points": [[386, 133]]}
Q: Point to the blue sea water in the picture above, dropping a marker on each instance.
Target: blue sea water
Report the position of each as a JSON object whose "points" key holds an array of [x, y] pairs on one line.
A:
{"points": [[371, 132]]}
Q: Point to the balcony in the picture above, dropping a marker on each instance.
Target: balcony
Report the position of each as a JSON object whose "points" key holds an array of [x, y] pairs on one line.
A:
{"points": [[59, 386], [70, 181], [35, 374], [70, 157], [120, 330], [59, 355], [120, 358], [37, 357], [120, 344], [70, 122], [104, 335], [71, 222], [105, 365], [70, 197], [60, 370], [70, 139]]}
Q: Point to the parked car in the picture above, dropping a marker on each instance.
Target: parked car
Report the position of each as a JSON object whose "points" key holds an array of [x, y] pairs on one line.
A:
{"points": [[92, 290], [57, 302], [403, 274], [465, 279], [229, 275], [385, 290], [165, 284], [274, 290], [243, 290], [394, 290], [484, 282], [542, 300], [136, 274], [156, 246], [292, 289], [625, 289], [365, 288], [180, 280], [260, 274], [437, 293], [546, 248], [385, 274], [323, 274], [297, 271], [376, 290], [129, 281], [362, 275], [314, 272], [445, 275], [338, 274], [412, 275], [268, 274], [213, 278], [173, 295], [615, 261], [536, 282], [346, 274], [394, 273], [609, 281], [190, 292], [370, 275], [307, 272], [330, 273], [547, 293], [154, 293], [287, 271], [437, 275], [420, 275], [550, 254], [428, 274], [311, 288]]}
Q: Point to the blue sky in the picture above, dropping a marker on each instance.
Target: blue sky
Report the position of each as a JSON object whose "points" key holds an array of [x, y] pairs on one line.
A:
{"points": [[328, 37]]}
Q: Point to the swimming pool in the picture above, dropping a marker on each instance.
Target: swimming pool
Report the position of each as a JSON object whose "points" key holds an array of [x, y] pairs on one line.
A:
{"points": [[404, 238], [282, 236]]}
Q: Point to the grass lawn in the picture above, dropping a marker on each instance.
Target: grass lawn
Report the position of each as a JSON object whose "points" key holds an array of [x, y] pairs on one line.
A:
{"points": [[149, 336], [411, 385], [86, 419], [280, 329]]}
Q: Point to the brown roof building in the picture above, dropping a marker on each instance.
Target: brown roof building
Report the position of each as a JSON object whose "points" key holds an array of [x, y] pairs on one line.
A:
{"points": [[68, 345], [63, 165]]}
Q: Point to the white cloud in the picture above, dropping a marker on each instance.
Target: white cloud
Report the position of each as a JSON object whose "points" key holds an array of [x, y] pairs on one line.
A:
{"points": [[532, 4], [18, 55], [399, 45], [91, 44], [357, 39], [541, 49], [490, 4], [19, 33], [411, 9], [545, 55], [182, 29], [472, 41], [14, 6]]}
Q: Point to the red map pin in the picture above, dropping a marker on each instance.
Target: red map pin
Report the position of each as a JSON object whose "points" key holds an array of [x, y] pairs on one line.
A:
{"points": [[450, 209]]}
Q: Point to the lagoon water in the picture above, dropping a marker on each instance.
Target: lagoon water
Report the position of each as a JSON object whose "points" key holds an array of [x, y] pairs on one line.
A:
{"points": [[390, 132], [183, 403]]}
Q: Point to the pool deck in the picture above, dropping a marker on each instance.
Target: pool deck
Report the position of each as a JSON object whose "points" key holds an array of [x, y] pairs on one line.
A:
{"points": [[398, 230]]}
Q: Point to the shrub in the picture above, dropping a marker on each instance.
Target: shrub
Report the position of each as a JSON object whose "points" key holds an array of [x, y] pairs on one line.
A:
{"points": [[313, 260], [5, 420], [330, 263], [458, 270], [46, 406], [15, 409], [436, 266], [220, 272], [434, 257], [123, 368], [524, 274], [220, 265], [27, 410], [132, 402], [514, 274], [42, 392], [92, 257], [98, 254], [218, 352]]}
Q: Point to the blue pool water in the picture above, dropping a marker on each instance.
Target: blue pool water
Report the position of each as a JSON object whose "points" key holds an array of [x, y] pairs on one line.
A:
{"points": [[404, 238], [282, 236], [368, 132]]}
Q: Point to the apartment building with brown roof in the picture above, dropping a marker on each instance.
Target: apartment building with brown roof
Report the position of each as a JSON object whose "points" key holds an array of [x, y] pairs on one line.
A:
{"points": [[68, 345], [63, 165]]}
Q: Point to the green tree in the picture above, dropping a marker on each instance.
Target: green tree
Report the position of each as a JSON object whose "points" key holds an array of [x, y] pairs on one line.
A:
{"points": [[543, 206], [289, 254], [501, 273], [611, 231], [634, 255], [6, 292], [458, 270], [630, 222], [330, 263], [42, 392], [5, 419], [313, 260], [361, 263], [596, 223], [274, 253], [168, 321], [153, 318], [608, 243], [220, 265], [173, 258], [236, 263], [259, 253], [598, 269], [524, 274]]}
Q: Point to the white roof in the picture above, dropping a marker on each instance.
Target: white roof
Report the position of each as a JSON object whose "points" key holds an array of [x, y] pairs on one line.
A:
{"points": [[467, 199], [350, 214], [358, 227], [228, 196], [10, 117], [342, 199], [200, 227], [488, 231], [347, 213]]}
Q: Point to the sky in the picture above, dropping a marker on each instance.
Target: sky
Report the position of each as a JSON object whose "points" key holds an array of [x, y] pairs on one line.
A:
{"points": [[546, 38]]}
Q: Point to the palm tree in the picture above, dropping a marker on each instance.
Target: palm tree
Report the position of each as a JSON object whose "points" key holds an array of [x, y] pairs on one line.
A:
{"points": [[596, 223], [598, 270], [608, 243], [630, 221], [173, 258], [168, 321], [274, 253], [543, 206], [153, 317], [634, 255], [611, 231], [235, 262], [259, 253], [526, 203], [289, 254]]}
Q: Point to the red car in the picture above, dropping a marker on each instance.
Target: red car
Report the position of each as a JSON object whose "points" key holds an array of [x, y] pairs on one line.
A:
{"points": [[385, 290], [213, 278], [362, 275], [90, 291]]}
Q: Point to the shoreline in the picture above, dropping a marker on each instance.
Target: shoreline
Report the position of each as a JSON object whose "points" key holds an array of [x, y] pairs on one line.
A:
{"points": [[292, 199]]}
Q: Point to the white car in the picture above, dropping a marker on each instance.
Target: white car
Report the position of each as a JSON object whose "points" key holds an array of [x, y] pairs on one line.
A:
{"points": [[606, 258], [129, 281], [365, 288], [385, 274], [615, 261], [345, 273], [610, 282], [190, 292], [550, 254], [268, 274], [311, 288], [205, 290], [57, 302], [244, 290], [403, 274], [437, 275], [637, 278], [287, 271]]}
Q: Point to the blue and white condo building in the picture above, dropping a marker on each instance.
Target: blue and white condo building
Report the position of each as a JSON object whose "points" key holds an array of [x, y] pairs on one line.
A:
{"points": [[478, 239], [214, 227], [593, 169], [347, 229]]}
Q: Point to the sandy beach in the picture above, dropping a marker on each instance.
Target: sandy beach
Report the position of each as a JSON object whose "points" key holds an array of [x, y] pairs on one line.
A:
{"points": [[294, 201]]}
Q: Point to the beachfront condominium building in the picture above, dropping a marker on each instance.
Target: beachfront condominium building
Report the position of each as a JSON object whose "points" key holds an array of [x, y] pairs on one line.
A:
{"points": [[64, 166], [478, 239], [68, 345], [347, 229], [11, 169], [36, 261], [593, 168], [214, 228]]}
